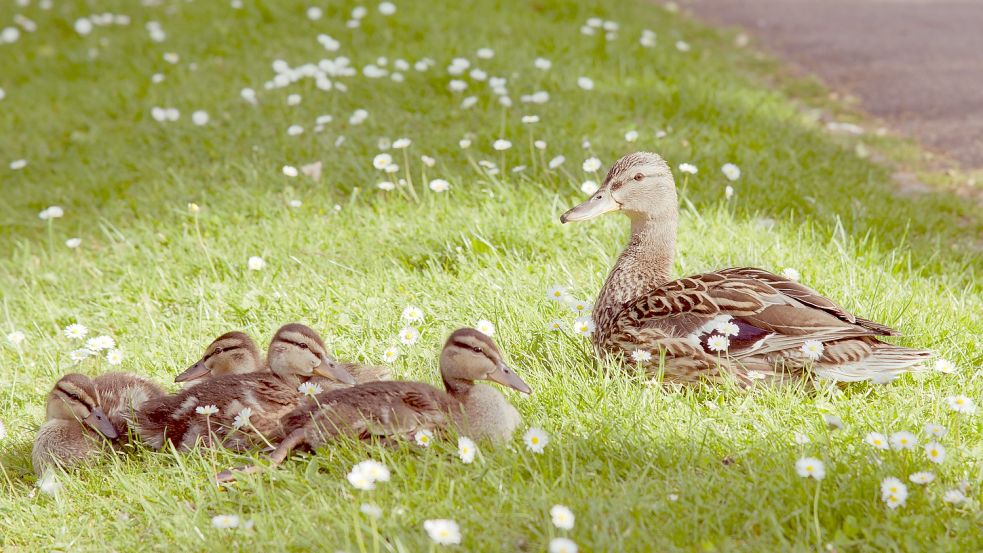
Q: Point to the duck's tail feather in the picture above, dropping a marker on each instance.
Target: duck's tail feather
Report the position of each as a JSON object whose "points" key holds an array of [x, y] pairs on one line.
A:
{"points": [[883, 364]]}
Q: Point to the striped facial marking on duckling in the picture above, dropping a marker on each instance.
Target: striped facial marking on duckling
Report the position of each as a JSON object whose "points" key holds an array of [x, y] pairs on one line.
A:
{"points": [[75, 397], [298, 351], [230, 353], [471, 355]]}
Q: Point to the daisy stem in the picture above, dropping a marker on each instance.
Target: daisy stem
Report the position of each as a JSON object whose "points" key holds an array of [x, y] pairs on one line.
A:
{"points": [[358, 530], [409, 176], [51, 237], [815, 515]]}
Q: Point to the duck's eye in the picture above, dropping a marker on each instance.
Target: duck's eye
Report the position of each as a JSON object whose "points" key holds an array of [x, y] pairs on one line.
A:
{"points": [[638, 176], [476, 349], [304, 346], [217, 351]]}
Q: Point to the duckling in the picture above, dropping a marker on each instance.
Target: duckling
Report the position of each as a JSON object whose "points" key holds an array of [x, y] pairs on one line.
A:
{"points": [[75, 425], [399, 409], [740, 322], [120, 396], [249, 406], [236, 353]]}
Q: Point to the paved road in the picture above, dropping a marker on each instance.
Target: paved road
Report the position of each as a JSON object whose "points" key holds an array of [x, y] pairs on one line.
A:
{"points": [[918, 64]]}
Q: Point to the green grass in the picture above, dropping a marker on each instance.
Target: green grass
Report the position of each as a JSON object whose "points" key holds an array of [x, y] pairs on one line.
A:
{"points": [[164, 283]]}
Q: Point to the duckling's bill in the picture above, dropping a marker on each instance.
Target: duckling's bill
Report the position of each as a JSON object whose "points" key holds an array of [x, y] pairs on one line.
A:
{"points": [[600, 203], [101, 423], [334, 371], [505, 375]]}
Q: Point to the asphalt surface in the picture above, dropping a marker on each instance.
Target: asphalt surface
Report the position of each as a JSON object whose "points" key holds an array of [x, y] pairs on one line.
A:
{"points": [[916, 64]]}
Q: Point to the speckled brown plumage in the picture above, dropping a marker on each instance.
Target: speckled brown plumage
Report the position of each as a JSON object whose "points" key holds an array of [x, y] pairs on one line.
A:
{"points": [[767, 318]]}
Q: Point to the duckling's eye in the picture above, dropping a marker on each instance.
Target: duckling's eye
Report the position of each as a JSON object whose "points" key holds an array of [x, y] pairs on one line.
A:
{"points": [[304, 346], [476, 349], [638, 176]]}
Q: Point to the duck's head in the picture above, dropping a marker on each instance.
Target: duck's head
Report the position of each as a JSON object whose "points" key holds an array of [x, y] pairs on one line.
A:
{"points": [[471, 355], [297, 351], [639, 184], [230, 353], [74, 397]]}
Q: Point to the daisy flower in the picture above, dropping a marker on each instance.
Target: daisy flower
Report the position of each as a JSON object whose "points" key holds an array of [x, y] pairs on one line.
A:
{"points": [[682, 46], [903, 440], [15, 338], [579, 306], [3, 432], [114, 356], [731, 171], [386, 186], [310, 389], [428, 161], [935, 452], [402, 143], [562, 517], [443, 531], [585, 83], [876, 439], [555, 325], [224, 522], [390, 355], [540, 144], [439, 185], [631, 136], [206, 410], [79, 355], [935, 430], [199, 117], [961, 404], [242, 419], [562, 545], [457, 85], [718, 343], [73, 243], [501, 144], [381, 161], [922, 477], [255, 263], [945, 366], [409, 336], [52, 212], [954, 497], [423, 438], [536, 439], [728, 192], [485, 327], [801, 438], [892, 486], [370, 510], [583, 326], [290, 171], [542, 64], [589, 187], [99, 343], [556, 293], [485, 53], [375, 470], [591, 164], [727, 328], [387, 8], [466, 450], [688, 168], [413, 314], [528, 119], [49, 484], [314, 13], [810, 467], [360, 480], [790, 273], [556, 162], [833, 422], [641, 356]]}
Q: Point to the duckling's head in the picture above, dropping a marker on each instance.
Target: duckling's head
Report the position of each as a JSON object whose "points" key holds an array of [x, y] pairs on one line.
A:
{"points": [[297, 351], [74, 397], [230, 353], [471, 355], [639, 184]]}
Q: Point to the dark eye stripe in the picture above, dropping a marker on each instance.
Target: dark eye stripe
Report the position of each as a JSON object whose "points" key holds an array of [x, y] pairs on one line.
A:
{"points": [[298, 344], [470, 347]]}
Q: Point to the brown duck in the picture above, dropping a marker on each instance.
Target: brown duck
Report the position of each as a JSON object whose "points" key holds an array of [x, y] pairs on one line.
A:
{"points": [[76, 427], [747, 323], [236, 353], [248, 405], [400, 409]]}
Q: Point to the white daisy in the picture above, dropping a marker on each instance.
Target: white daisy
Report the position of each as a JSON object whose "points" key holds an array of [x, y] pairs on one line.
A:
{"points": [[439, 185], [501, 144], [443, 531], [242, 418], [529, 119], [579, 306], [51, 212], [583, 326], [718, 343], [199, 117], [801, 438], [387, 8], [360, 480], [833, 422], [954, 497], [935, 430], [49, 484], [585, 83], [591, 164], [589, 187], [562, 517], [423, 438], [893, 492], [413, 314], [682, 46], [961, 404], [556, 293], [536, 439], [922, 477], [540, 144], [73, 243], [114, 356], [542, 64], [562, 545], [813, 349], [945, 366], [731, 171], [485, 53], [390, 355], [810, 467], [555, 325], [466, 450], [100, 343], [688, 168], [206, 410], [387, 186], [727, 328], [556, 162], [428, 161], [728, 192], [3, 431], [876, 439], [409, 335], [485, 327], [790, 273], [79, 355], [641, 356], [401, 143], [16, 338], [631, 136], [903, 440], [255, 263], [381, 161], [375, 470], [370, 510], [310, 389], [935, 452], [457, 85], [290, 171]]}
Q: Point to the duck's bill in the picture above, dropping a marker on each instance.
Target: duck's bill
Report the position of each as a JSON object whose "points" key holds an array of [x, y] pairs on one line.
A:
{"points": [[334, 371], [194, 372], [101, 423], [600, 203], [506, 376]]}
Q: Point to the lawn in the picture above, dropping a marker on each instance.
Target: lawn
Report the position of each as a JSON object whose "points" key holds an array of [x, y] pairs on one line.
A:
{"points": [[642, 468]]}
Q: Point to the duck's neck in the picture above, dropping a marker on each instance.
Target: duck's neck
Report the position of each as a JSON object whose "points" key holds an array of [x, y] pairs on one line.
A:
{"points": [[646, 262], [457, 388]]}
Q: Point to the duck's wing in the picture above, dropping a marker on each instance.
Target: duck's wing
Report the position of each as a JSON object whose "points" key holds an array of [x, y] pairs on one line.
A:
{"points": [[770, 314]]}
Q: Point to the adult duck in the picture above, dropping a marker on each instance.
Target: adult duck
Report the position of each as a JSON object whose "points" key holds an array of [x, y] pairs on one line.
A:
{"points": [[747, 323]]}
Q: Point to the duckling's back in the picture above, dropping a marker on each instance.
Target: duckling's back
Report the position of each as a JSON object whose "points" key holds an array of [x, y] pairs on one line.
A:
{"points": [[121, 395], [63, 443]]}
